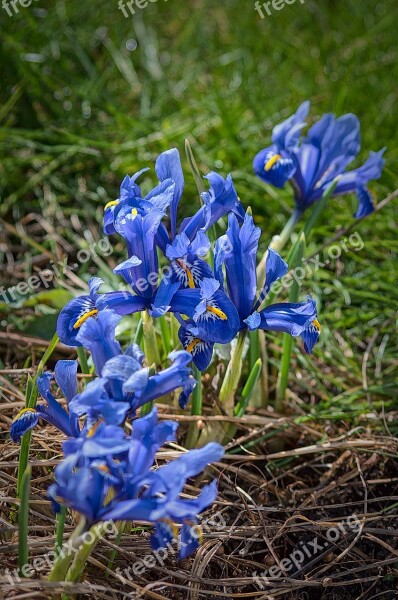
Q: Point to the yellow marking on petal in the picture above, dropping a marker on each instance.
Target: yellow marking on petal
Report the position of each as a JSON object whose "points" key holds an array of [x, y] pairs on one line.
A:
{"points": [[134, 212], [218, 312], [94, 428], [111, 203], [193, 344], [111, 493], [104, 468], [272, 161], [184, 267], [84, 318], [22, 412], [173, 526], [198, 529], [317, 324]]}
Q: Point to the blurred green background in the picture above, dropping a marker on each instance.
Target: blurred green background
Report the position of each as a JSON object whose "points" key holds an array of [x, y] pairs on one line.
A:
{"points": [[88, 95]]}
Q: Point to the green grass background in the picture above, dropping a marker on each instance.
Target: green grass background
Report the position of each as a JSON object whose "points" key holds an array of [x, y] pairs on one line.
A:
{"points": [[79, 110]]}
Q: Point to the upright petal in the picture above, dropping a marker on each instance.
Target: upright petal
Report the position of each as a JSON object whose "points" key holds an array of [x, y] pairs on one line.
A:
{"points": [[65, 373], [168, 166], [218, 202], [98, 336], [286, 134], [240, 263]]}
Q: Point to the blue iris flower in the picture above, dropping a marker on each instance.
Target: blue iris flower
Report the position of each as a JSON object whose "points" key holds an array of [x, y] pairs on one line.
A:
{"points": [[77, 311], [131, 200], [236, 253], [123, 378], [209, 310], [217, 202], [186, 259], [314, 162], [52, 412], [123, 384], [119, 483], [220, 200]]}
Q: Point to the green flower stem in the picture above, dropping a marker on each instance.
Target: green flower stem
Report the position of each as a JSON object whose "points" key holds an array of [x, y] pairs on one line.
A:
{"points": [[232, 376], [278, 242], [23, 521], [77, 567], [151, 351], [283, 375], [230, 385], [314, 217], [60, 529], [165, 330], [150, 342], [196, 409], [218, 432], [62, 562]]}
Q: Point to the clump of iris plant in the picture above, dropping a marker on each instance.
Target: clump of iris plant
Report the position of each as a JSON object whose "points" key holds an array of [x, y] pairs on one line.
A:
{"points": [[185, 284], [217, 294]]}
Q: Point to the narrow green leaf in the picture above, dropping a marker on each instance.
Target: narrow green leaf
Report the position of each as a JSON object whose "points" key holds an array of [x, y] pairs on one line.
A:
{"points": [[165, 331], [81, 353], [30, 402], [122, 527], [194, 168], [283, 375], [59, 533], [314, 217], [23, 521], [248, 389]]}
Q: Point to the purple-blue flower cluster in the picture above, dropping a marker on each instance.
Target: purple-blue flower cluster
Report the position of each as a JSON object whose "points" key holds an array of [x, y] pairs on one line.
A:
{"points": [[211, 304], [107, 473], [313, 162]]}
